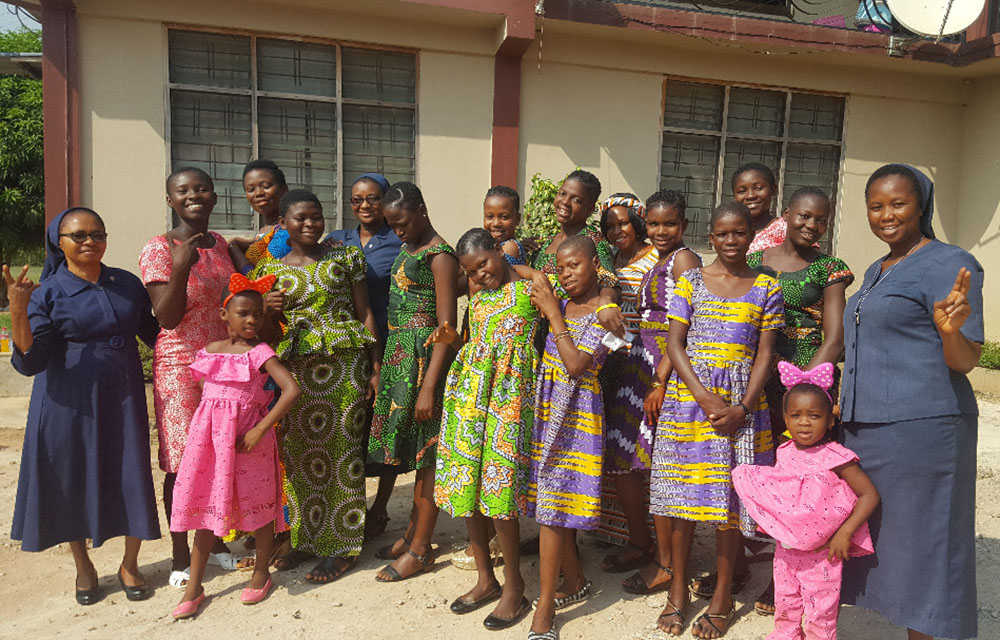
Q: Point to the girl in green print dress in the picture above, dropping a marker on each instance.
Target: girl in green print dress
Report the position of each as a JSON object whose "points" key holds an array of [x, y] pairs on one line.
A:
{"points": [[813, 285], [407, 413], [489, 402], [329, 346]]}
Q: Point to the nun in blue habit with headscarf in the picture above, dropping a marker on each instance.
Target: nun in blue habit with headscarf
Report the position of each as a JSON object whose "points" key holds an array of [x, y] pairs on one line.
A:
{"points": [[912, 332], [85, 468]]}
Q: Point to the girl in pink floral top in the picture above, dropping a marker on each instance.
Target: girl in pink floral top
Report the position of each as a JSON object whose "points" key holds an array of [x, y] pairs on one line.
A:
{"points": [[754, 185], [185, 271]]}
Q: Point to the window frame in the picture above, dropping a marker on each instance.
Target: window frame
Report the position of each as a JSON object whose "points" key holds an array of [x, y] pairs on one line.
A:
{"points": [[254, 93], [784, 140]]}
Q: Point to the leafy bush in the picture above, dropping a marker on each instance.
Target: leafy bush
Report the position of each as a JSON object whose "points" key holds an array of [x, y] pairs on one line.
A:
{"points": [[990, 358], [539, 214], [146, 357]]}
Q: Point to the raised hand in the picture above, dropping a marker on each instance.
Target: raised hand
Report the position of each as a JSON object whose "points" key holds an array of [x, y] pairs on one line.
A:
{"points": [[544, 300], [19, 289], [951, 313], [274, 301], [185, 254]]}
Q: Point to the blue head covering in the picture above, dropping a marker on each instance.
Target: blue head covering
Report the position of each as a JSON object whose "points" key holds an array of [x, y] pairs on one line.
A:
{"points": [[926, 197], [54, 256], [377, 178]]}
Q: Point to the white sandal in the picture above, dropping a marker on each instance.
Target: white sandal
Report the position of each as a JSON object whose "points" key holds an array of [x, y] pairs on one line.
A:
{"points": [[225, 560], [178, 579]]}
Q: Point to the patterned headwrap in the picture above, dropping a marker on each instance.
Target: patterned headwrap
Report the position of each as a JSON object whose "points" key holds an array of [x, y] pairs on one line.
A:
{"points": [[238, 283], [629, 201]]}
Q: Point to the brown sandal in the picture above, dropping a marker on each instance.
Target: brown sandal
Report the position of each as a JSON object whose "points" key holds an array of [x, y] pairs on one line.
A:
{"points": [[386, 552], [635, 584]]}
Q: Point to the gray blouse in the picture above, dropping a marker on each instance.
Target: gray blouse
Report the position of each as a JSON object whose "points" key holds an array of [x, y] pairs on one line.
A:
{"points": [[894, 365]]}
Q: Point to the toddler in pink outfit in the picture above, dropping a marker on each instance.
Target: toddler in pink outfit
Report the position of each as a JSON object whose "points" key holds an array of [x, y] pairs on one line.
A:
{"points": [[815, 502]]}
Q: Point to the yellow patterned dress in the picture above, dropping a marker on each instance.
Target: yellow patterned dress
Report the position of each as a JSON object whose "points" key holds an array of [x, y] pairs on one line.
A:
{"points": [[691, 461], [489, 407]]}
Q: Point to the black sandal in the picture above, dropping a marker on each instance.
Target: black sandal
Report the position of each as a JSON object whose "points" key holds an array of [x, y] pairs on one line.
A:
{"points": [[765, 598], [375, 526], [291, 560], [669, 614], [329, 570], [613, 564], [635, 584], [708, 617], [705, 587], [426, 565]]}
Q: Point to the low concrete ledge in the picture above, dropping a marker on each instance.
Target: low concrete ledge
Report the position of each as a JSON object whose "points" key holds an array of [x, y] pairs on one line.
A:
{"points": [[12, 383], [986, 383]]}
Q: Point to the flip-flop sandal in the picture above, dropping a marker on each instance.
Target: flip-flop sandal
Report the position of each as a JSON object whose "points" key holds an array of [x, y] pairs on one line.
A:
{"points": [[635, 584], [178, 579], [678, 613], [226, 560], [426, 565], [708, 617], [705, 587], [386, 552], [612, 563], [329, 569], [291, 560], [765, 598]]}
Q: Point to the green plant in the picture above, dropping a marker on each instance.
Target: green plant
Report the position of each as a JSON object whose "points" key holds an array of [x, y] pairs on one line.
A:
{"points": [[990, 358], [22, 207], [146, 357], [539, 213], [539, 216]]}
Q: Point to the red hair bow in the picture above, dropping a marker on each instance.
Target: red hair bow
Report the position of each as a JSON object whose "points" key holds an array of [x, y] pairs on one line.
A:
{"points": [[238, 283]]}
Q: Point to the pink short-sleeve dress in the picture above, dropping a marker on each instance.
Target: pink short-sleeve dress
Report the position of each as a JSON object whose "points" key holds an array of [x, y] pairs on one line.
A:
{"points": [[175, 393], [801, 501], [218, 487]]}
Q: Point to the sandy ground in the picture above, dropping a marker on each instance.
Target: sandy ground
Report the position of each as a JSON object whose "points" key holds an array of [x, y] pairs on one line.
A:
{"points": [[38, 599]]}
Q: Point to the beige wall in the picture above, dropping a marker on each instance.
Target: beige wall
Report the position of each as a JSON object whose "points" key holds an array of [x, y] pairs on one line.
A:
{"points": [[591, 100], [978, 210]]}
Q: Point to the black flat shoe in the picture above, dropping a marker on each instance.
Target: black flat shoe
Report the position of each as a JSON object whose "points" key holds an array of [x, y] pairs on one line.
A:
{"points": [[88, 597], [461, 607], [496, 623], [132, 593]]}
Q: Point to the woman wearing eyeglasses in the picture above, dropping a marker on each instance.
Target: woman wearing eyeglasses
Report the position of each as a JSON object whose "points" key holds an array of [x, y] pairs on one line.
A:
{"points": [[85, 468], [381, 246]]}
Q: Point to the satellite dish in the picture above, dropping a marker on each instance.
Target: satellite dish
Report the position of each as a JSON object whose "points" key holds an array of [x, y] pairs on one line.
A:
{"points": [[936, 17]]}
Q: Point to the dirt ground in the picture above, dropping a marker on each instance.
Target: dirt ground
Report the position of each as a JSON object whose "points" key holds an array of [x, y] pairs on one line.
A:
{"points": [[38, 599]]}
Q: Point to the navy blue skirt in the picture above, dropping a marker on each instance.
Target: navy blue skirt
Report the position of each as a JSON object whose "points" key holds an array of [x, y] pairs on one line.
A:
{"points": [[923, 573], [85, 466]]}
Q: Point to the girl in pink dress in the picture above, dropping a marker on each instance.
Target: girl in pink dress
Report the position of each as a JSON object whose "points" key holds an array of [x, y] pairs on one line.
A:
{"points": [[815, 502], [228, 476], [185, 272]]}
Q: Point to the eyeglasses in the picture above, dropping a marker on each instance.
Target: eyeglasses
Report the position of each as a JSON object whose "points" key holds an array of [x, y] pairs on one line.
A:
{"points": [[372, 200], [80, 237]]}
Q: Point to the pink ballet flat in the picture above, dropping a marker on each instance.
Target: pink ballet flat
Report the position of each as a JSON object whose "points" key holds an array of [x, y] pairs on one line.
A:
{"points": [[253, 596], [188, 608]]}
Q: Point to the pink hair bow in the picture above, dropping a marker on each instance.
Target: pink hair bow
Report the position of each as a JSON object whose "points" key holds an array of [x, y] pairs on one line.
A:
{"points": [[820, 375]]}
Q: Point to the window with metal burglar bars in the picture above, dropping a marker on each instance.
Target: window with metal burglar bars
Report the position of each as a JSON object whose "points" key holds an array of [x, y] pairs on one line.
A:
{"points": [[711, 129], [324, 112]]}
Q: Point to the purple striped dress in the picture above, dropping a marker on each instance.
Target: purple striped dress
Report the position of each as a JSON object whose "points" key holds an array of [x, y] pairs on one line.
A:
{"points": [[692, 462], [567, 447]]}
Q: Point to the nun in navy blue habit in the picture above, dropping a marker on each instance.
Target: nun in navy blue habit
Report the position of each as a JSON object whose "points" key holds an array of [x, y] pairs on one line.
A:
{"points": [[911, 334], [85, 467]]}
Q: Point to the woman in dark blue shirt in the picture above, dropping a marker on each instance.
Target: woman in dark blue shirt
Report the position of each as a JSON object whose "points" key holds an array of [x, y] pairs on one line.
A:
{"points": [[381, 246], [911, 334], [85, 468]]}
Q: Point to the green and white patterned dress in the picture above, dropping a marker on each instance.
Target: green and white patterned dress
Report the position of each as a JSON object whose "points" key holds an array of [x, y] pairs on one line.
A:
{"points": [[398, 439], [325, 348], [489, 407]]}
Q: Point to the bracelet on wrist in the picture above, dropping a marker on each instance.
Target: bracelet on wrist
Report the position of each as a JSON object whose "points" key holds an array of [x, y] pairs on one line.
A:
{"points": [[607, 306], [746, 409], [562, 334], [656, 384]]}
